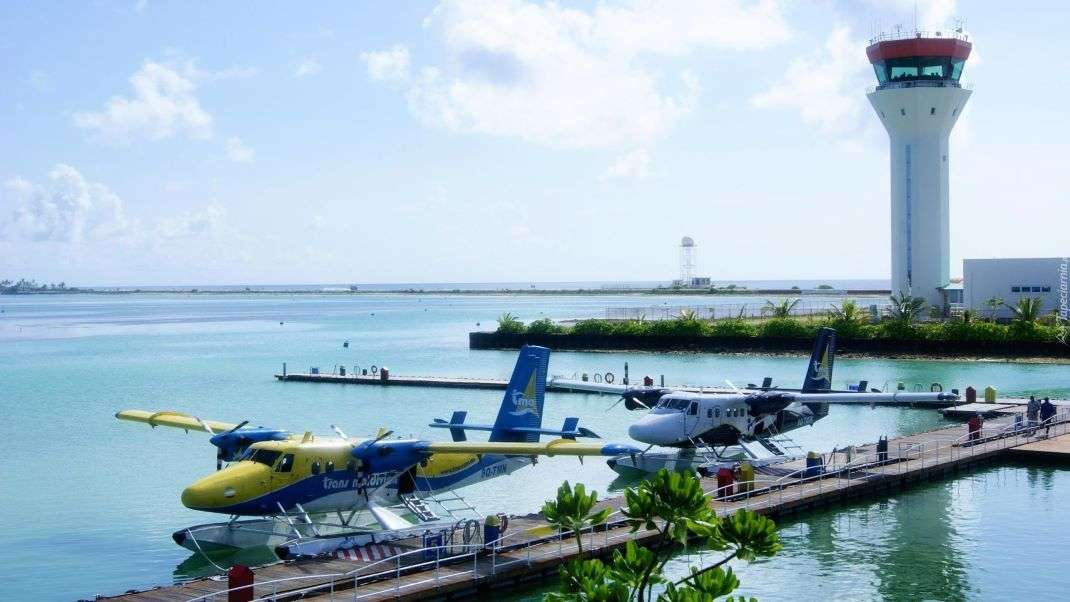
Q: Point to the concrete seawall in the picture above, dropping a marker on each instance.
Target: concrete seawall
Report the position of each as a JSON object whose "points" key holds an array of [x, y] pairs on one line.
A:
{"points": [[613, 342]]}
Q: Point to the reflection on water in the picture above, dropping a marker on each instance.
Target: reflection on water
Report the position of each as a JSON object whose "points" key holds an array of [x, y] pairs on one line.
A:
{"points": [[206, 564], [996, 533]]}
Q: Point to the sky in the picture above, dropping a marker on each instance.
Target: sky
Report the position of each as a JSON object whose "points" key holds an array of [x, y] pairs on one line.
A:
{"points": [[167, 143]]}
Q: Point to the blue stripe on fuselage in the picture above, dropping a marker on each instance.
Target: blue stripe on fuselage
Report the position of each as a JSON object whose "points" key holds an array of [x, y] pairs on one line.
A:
{"points": [[313, 487]]}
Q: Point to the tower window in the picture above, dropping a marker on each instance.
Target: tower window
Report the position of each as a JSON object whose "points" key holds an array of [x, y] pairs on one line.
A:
{"points": [[932, 110], [903, 112]]}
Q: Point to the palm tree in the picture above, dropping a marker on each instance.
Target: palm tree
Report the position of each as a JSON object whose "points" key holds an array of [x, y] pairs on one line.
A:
{"points": [[848, 312], [994, 304], [1027, 310], [780, 310], [571, 511], [687, 315], [907, 308]]}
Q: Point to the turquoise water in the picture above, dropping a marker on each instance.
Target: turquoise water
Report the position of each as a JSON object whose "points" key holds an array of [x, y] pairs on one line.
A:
{"points": [[89, 503], [995, 534]]}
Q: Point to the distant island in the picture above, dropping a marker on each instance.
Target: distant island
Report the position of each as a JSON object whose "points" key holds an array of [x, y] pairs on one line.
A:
{"points": [[25, 286]]}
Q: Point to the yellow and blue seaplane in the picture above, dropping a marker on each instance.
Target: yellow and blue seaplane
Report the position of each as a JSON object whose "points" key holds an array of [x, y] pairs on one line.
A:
{"points": [[307, 488]]}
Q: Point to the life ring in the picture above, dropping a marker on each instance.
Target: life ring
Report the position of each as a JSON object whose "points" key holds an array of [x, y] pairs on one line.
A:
{"points": [[375, 369], [936, 388], [597, 377], [609, 378]]}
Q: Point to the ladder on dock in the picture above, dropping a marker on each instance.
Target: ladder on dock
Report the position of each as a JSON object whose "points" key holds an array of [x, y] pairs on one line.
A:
{"points": [[418, 507]]}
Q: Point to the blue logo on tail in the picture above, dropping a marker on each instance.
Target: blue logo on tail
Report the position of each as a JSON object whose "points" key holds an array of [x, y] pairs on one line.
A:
{"points": [[523, 400]]}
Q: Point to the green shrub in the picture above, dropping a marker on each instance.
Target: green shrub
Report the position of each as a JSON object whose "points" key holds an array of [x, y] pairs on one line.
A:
{"points": [[786, 328], [545, 326], [509, 324], [732, 328], [956, 330], [897, 330], [593, 326], [678, 327]]}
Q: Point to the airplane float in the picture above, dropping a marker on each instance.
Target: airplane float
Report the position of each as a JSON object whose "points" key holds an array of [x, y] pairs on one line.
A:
{"points": [[292, 481], [715, 421]]}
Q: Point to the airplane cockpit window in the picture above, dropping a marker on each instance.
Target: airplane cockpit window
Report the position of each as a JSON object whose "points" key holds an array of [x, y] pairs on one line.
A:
{"points": [[264, 456], [693, 410], [287, 463]]}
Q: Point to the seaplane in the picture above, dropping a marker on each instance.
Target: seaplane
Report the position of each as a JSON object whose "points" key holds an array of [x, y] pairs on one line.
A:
{"points": [[753, 422], [307, 491]]}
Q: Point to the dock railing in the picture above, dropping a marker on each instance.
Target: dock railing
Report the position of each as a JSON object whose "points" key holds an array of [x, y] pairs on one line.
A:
{"points": [[523, 547]]}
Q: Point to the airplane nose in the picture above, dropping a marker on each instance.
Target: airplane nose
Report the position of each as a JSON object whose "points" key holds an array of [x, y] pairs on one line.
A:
{"points": [[197, 496], [665, 429]]}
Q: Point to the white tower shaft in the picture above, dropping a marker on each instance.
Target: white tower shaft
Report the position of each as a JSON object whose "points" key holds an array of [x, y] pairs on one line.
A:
{"points": [[919, 120]]}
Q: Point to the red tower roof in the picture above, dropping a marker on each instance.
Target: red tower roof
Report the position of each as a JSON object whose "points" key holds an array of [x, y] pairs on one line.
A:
{"points": [[918, 46]]}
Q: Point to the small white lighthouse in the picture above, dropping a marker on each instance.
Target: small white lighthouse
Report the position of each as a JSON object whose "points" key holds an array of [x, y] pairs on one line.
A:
{"points": [[918, 99]]}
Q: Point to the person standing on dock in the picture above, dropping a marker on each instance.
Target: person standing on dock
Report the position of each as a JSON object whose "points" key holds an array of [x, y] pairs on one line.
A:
{"points": [[1047, 412], [1032, 409]]}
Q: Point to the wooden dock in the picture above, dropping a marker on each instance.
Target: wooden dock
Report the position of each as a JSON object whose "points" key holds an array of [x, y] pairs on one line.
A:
{"points": [[532, 550]]}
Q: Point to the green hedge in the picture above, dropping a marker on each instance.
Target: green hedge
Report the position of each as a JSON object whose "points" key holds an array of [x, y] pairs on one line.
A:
{"points": [[793, 328]]}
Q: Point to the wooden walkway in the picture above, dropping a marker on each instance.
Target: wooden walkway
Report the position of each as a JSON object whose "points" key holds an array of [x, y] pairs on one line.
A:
{"points": [[532, 550]]}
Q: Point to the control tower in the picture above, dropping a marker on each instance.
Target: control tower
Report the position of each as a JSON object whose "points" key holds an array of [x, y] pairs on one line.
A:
{"points": [[918, 99]]}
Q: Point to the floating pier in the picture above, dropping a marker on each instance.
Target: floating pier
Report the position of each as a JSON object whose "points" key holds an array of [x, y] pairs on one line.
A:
{"points": [[532, 550]]}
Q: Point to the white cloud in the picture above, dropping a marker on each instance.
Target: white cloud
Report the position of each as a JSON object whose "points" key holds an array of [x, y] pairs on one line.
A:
{"points": [[306, 67], [163, 105], [238, 152], [67, 208], [632, 166], [826, 86], [387, 65], [569, 78], [194, 224]]}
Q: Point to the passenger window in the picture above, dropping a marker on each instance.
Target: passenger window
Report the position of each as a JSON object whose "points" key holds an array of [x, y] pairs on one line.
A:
{"points": [[717, 412], [351, 466], [315, 468], [286, 464], [329, 467], [709, 413]]}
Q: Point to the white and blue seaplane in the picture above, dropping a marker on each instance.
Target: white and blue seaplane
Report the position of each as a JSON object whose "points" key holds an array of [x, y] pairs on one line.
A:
{"points": [[707, 428], [310, 494]]}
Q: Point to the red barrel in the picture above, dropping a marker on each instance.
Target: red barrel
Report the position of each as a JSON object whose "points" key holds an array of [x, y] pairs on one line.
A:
{"points": [[725, 479], [240, 576], [971, 395], [973, 426]]}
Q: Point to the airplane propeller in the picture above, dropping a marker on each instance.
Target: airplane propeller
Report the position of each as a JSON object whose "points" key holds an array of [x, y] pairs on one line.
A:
{"points": [[220, 440]]}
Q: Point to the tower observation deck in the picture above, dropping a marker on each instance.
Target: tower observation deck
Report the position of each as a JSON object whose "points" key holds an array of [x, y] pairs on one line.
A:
{"points": [[918, 98]]}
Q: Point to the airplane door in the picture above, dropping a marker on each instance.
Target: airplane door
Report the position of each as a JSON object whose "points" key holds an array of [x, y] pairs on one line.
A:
{"points": [[691, 419]]}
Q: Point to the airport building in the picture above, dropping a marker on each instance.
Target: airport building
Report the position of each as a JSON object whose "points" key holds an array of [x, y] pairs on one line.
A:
{"points": [[1011, 279]]}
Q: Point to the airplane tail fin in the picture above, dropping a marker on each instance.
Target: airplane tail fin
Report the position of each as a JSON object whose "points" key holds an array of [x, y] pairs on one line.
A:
{"points": [[819, 371], [522, 404]]}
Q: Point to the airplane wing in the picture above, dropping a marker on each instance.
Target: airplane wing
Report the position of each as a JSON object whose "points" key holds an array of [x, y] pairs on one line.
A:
{"points": [[583, 385], [557, 447], [174, 420], [860, 397]]}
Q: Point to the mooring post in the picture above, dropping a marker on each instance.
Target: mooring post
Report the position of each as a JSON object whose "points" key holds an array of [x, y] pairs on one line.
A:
{"points": [[284, 369]]}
